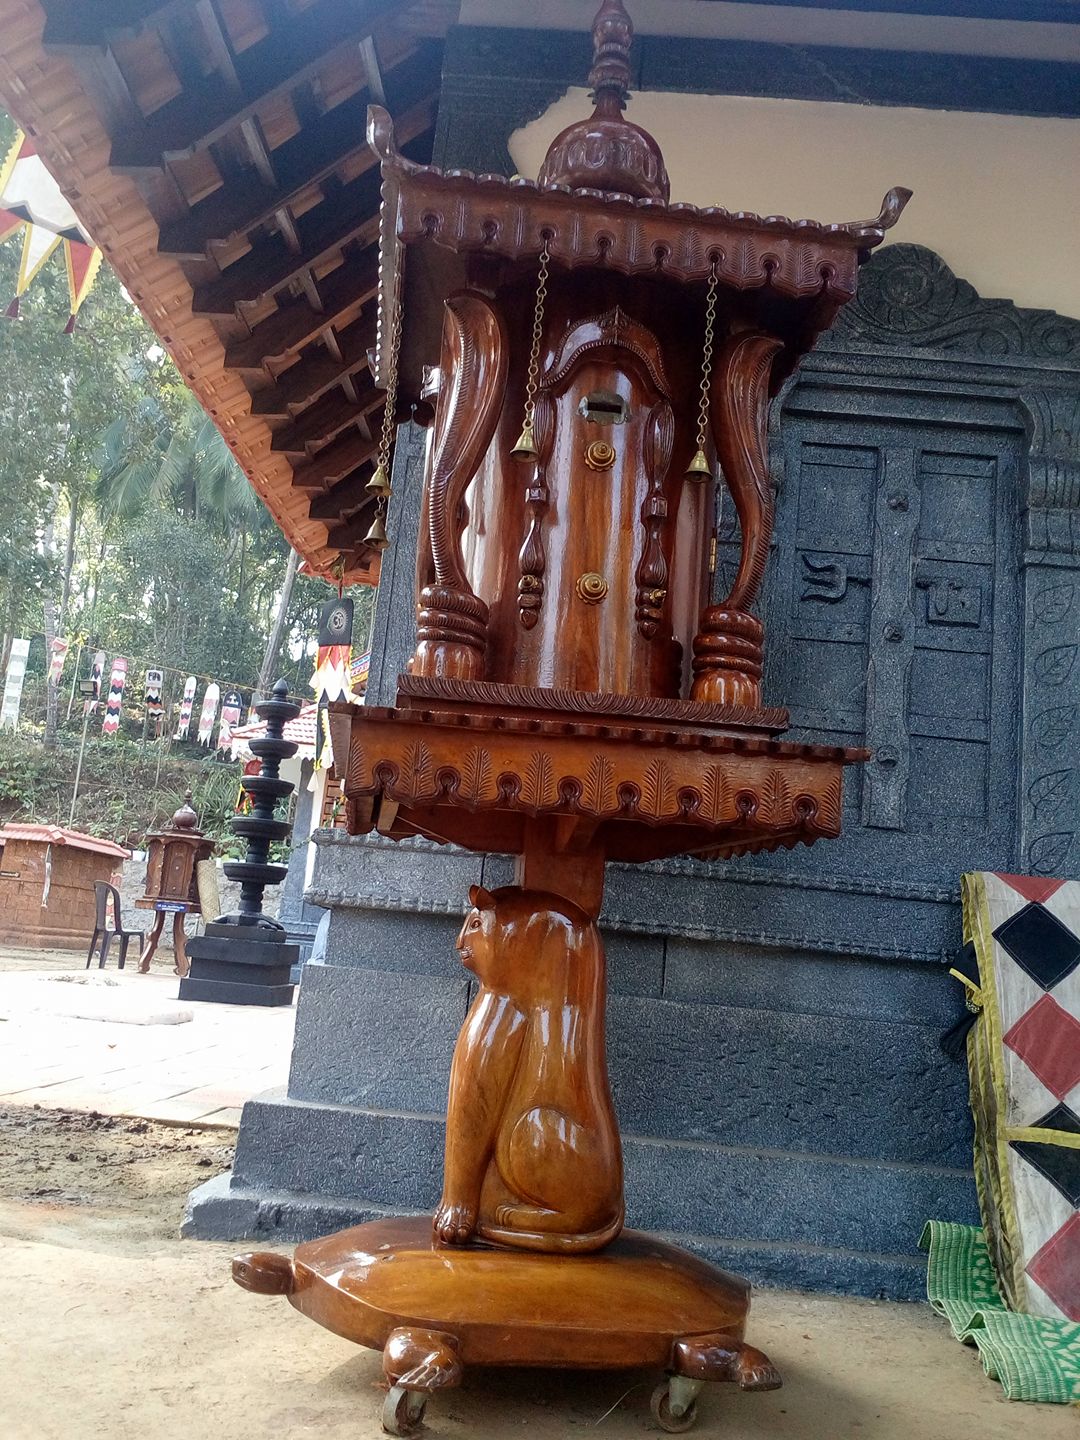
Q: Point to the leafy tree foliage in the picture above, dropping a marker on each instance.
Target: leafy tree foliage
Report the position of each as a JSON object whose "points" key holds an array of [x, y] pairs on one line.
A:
{"points": [[125, 521]]}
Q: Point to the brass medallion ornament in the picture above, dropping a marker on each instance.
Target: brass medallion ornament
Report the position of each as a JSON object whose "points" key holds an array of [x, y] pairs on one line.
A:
{"points": [[591, 587], [599, 455], [536, 721]]}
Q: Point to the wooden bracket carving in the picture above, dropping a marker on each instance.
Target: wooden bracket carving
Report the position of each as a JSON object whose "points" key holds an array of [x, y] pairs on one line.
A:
{"points": [[739, 412], [452, 620], [728, 646]]}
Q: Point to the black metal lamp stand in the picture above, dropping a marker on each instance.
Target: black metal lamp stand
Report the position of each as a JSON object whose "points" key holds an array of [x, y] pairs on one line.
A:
{"points": [[244, 958]]}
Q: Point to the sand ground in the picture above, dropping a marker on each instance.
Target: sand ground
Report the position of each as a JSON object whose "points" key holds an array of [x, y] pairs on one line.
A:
{"points": [[111, 1328]]}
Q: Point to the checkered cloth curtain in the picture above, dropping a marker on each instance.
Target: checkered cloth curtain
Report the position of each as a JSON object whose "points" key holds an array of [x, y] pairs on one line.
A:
{"points": [[1024, 1060]]}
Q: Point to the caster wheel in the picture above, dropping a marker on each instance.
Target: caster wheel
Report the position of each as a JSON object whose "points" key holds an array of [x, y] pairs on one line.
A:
{"points": [[664, 1414], [403, 1411]]}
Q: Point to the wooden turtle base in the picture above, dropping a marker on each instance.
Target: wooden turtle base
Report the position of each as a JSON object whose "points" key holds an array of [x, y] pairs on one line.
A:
{"points": [[433, 1310]]}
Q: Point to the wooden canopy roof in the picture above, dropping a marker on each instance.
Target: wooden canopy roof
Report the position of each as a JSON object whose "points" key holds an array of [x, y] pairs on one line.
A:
{"points": [[216, 151]]}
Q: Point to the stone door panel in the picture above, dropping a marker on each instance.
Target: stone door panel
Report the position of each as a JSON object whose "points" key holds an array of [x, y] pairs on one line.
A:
{"points": [[895, 545]]}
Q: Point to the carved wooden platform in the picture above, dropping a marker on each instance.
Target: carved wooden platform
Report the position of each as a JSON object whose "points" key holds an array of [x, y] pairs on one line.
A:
{"points": [[434, 1310], [639, 791]]}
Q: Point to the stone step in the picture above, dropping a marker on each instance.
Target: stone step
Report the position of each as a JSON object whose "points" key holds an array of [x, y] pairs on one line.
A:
{"points": [[687, 1071], [840, 1223]]}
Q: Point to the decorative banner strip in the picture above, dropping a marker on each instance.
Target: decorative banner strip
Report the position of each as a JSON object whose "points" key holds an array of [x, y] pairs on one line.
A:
{"points": [[56, 664], [187, 704], [231, 709], [155, 681], [111, 724], [13, 683], [97, 670], [83, 263], [331, 676], [359, 669], [30, 198], [209, 710]]}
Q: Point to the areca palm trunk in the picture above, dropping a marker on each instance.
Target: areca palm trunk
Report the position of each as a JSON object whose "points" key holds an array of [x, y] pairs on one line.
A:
{"points": [[277, 632]]}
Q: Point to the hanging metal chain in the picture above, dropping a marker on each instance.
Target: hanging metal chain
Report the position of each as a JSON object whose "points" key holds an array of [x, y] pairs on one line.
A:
{"points": [[532, 380], [386, 438], [526, 445], [706, 360]]}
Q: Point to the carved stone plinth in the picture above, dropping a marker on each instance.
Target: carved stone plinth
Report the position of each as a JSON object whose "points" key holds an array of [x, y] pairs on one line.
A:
{"points": [[434, 1310]]}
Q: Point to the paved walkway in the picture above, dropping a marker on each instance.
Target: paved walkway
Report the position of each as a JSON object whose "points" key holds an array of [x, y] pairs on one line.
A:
{"points": [[121, 1043]]}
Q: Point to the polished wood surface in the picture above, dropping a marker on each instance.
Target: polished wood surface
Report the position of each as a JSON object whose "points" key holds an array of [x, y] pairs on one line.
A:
{"points": [[628, 1305], [153, 939], [578, 693], [172, 855], [533, 1158], [479, 778]]}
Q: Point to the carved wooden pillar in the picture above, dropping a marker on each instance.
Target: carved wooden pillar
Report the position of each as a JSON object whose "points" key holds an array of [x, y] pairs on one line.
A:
{"points": [[728, 648], [452, 620]]}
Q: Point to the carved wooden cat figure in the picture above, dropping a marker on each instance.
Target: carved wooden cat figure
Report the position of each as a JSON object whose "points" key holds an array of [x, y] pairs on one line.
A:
{"points": [[533, 1158]]}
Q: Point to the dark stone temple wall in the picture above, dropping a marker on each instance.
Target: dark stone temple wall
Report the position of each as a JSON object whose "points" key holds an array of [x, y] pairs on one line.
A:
{"points": [[774, 1023]]}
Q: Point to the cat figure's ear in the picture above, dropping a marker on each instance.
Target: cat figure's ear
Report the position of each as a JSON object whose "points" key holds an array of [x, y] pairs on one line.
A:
{"points": [[481, 899]]}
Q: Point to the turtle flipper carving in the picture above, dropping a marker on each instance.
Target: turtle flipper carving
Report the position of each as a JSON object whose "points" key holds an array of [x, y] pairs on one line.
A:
{"points": [[723, 1357]]}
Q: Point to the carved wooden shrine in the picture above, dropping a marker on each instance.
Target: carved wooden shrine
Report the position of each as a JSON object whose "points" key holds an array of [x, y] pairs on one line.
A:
{"points": [[172, 855], [586, 355]]}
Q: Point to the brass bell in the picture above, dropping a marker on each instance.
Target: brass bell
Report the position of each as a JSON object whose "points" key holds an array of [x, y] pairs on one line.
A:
{"points": [[379, 484], [376, 537], [699, 468], [525, 449]]}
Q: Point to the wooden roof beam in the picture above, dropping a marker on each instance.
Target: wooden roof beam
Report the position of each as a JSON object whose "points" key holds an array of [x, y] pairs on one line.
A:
{"points": [[318, 371], [343, 292], [345, 498], [73, 25], [292, 52], [326, 419], [352, 213], [316, 152], [349, 535], [335, 462]]}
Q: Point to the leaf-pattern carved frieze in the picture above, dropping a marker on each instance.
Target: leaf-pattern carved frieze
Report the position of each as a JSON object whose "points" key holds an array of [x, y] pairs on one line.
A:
{"points": [[773, 790]]}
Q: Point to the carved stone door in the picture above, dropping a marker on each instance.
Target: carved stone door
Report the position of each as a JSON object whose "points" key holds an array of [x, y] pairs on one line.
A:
{"points": [[895, 548]]}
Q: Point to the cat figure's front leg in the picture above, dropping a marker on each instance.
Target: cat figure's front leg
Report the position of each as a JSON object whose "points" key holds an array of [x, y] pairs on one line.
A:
{"points": [[455, 1222]]}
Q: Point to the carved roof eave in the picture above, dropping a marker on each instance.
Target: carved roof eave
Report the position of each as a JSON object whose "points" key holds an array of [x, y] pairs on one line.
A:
{"points": [[514, 218]]}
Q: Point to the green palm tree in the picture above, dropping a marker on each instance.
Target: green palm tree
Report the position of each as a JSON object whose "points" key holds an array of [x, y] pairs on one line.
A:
{"points": [[152, 457]]}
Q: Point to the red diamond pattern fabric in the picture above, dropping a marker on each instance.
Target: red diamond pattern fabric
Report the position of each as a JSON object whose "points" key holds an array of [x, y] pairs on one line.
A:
{"points": [[1033, 887], [1024, 1065], [1056, 1268], [1047, 1039]]}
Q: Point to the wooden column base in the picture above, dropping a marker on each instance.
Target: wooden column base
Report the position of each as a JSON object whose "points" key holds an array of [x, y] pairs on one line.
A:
{"points": [[728, 658], [451, 634], [434, 1310]]}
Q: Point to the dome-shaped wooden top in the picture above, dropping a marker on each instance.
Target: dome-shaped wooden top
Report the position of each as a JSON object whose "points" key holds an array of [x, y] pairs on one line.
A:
{"points": [[607, 151]]}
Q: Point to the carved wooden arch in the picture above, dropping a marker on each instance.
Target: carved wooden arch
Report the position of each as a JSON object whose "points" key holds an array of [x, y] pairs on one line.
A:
{"points": [[601, 335]]}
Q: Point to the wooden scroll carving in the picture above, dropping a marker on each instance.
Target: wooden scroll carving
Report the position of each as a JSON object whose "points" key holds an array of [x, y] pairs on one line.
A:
{"points": [[452, 620], [652, 571], [533, 1159], [533, 557], [728, 646]]}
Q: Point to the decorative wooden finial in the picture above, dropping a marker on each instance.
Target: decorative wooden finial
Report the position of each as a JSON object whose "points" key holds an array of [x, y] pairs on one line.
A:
{"points": [[613, 33], [608, 152]]}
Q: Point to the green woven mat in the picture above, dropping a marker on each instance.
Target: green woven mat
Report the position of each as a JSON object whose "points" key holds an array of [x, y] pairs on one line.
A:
{"points": [[1034, 1359]]}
